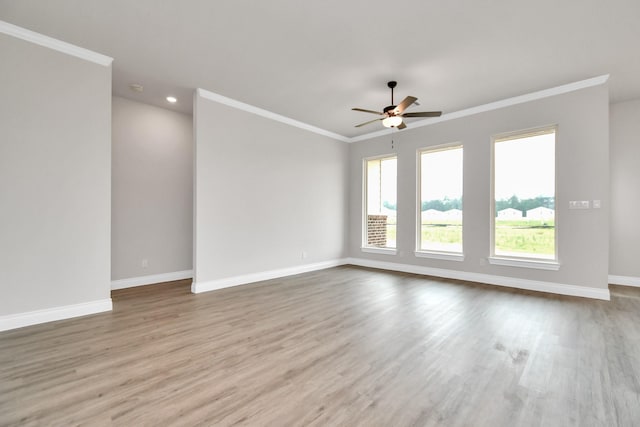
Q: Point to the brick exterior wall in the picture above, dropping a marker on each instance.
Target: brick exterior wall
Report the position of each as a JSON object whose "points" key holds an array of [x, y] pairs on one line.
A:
{"points": [[377, 231]]}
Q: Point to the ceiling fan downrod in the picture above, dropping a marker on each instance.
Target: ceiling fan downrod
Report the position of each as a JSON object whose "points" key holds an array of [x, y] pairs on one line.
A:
{"points": [[392, 115], [391, 85]]}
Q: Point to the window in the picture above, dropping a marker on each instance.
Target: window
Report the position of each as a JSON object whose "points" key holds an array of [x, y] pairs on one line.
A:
{"points": [[524, 183], [440, 206], [380, 219]]}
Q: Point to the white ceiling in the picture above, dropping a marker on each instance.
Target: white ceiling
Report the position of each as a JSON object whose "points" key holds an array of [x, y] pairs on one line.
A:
{"points": [[313, 61]]}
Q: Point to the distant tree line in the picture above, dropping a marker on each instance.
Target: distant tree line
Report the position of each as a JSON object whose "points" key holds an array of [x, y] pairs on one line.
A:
{"points": [[388, 205], [514, 202], [442, 205], [439, 205], [525, 204]]}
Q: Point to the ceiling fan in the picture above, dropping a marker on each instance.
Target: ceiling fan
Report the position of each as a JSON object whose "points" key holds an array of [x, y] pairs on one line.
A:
{"points": [[393, 114]]}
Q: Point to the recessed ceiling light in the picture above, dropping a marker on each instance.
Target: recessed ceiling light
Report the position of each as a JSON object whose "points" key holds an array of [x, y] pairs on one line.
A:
{"points": [[172, 99], [136, 87]]}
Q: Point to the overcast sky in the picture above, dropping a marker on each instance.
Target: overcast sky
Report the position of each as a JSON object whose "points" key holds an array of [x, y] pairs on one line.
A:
{"points": [[441, 174], [525, 167]]}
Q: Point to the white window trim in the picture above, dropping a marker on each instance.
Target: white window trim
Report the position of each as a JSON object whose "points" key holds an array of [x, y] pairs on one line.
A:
{"points": [[447, 256], [427, 253], [524, 261], [376, 250], [365, 189]]}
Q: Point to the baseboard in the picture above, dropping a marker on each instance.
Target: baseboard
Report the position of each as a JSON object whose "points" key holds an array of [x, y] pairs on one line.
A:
{"points": [[624, 280], [151, 279], [212, 285], [511, 282], [19, 320]]}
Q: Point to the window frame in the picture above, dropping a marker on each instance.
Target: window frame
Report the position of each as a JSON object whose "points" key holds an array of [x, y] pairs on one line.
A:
{"points": [[515, 260], [365, 205], [429, 253]]}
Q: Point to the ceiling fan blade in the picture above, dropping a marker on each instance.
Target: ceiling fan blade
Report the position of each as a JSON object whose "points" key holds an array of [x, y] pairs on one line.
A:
{"points": [[405, 104], [423, 114], [401, 126], [370, 121], [367, 111]]}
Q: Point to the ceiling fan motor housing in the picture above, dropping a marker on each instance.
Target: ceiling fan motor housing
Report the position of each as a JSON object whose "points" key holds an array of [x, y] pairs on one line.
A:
{"points": [[393, 114]]}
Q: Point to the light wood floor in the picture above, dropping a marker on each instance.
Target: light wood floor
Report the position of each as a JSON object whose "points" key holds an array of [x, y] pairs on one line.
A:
{"points": [[345, 346]]}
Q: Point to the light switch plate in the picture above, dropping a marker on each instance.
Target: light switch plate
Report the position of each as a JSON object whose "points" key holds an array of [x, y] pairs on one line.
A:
{"points": [[579, 204]]}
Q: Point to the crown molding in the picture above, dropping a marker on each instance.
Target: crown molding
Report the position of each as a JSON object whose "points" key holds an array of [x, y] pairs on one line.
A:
{"points": [[558, 90], [211, 96], [54, 44], [546, 93]]}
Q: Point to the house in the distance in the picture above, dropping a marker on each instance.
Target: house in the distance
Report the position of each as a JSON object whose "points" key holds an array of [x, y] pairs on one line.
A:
{"points": [[541, 213], [432, 214], [509, 213], [453, 214]]}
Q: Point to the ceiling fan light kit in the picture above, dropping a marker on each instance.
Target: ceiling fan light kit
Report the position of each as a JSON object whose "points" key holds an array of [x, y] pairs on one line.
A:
{"points": [[393, 114], [391, 121]]}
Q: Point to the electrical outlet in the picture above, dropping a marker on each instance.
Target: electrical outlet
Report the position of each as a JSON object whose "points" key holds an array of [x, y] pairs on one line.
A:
{"points": [[304, 254], [145, 263]]}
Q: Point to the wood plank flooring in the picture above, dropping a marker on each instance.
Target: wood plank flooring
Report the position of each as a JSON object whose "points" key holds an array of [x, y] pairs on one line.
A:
{"points": [[345, 346]]}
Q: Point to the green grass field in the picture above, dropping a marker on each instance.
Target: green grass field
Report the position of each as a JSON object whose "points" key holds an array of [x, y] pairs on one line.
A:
{"points": [[535, 238], [512, 236], [444, 235], [525, 237], [391, 235]]}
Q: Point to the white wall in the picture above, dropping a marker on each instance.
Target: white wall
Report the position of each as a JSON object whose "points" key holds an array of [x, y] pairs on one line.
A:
{"points": [[152, 194], [624, 256], [55, 179], [582, 174], [265, 192]]}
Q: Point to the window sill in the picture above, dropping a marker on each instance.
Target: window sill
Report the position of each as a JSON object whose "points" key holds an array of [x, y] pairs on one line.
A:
{"points": [[386, 251], [440, 255], [512, 262]]}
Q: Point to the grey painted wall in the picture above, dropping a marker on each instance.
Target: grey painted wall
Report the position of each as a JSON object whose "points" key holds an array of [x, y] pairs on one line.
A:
{"points": [[624, 255], [265, 192], [152, 194], [55, 178], [582, 149]]}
